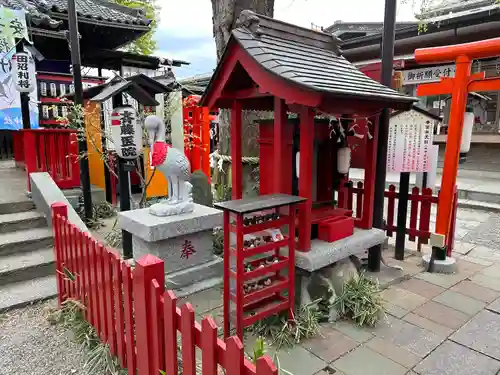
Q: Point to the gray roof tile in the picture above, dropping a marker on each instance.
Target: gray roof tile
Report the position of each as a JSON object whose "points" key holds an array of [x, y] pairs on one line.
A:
{"points": [[93, 9], [308, 58]]}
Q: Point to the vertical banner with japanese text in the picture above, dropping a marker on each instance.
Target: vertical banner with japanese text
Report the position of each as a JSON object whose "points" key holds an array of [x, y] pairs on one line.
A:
{"points": [[12, 27]]}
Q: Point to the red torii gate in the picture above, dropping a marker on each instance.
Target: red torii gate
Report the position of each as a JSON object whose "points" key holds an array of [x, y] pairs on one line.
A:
{"points": [[459, 87]]}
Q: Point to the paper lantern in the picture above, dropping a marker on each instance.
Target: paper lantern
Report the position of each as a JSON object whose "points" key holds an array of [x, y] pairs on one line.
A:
{"points": [[23, 72], [343, 160], [467, 132]]}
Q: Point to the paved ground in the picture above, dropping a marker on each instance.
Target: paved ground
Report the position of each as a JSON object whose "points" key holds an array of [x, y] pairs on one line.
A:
{"points": [[436, 324]]}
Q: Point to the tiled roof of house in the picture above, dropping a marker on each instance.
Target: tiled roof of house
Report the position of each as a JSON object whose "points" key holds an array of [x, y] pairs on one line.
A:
{"points": [[98, 10]]}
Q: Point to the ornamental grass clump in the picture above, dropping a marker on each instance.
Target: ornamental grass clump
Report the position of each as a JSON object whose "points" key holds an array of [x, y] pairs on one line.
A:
{"points": [[360, 301]]}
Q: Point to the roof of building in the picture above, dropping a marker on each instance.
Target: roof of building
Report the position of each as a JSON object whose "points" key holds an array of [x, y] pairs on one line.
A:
{"points": [[421, 110], [306, 57], [349, 30], [98, 10]]}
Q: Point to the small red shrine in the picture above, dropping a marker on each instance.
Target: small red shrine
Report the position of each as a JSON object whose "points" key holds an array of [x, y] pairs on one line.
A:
{"points": [[269, 65]]}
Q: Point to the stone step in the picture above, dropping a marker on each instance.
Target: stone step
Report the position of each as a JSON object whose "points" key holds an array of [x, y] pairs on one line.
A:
{"points": [[25, 240], [479, 205], [27, 292], [26, 266], [21, 221], [16, 206]]}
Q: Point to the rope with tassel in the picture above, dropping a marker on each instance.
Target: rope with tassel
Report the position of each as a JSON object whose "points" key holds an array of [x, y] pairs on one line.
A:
{"points": [[217, 159]]}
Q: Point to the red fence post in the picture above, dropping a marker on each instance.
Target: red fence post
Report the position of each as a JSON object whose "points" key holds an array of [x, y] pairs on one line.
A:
{"points": [[147, 269], [59, 210]]}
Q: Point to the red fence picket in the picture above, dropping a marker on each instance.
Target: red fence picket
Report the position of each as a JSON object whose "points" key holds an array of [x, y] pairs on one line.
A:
{"points": [[134, 315], [420, 212], [51, 150]]}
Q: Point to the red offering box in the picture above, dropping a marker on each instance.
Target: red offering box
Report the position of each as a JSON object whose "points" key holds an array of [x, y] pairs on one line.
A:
{"points": [[335, 228]]}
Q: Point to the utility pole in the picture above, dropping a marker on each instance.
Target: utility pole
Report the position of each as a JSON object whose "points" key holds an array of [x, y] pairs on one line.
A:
{"points": [[375, 253], [74, 44]]}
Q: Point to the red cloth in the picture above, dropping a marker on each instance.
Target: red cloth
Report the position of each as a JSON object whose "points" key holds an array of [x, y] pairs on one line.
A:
{"points": [[160, 150]]}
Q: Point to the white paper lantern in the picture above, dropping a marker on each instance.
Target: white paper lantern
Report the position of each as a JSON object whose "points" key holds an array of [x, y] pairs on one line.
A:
{"points": [[126, 132], [467, 132], [23, 72], [343, 160]]}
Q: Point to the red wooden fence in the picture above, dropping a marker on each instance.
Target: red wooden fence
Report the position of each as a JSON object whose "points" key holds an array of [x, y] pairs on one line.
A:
{"points": [[50, 150], [135, 316], [420, 212]]}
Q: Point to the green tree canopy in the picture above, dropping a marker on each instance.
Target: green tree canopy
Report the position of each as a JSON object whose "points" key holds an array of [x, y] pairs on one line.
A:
{"points": [[145, 44]]}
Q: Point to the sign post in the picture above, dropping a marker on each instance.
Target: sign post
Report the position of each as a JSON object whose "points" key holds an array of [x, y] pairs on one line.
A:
{"points": [[127, 138], [24, 77], [409, 150]]}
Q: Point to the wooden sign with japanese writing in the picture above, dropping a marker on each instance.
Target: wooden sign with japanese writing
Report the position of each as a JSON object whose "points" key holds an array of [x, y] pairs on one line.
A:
{"points": [[409, 142], [23, 72], [126, 132]]}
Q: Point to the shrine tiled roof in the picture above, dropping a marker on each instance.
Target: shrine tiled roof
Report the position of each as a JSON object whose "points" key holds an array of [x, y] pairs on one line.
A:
{"points": [[98, 10], [309, 58]]}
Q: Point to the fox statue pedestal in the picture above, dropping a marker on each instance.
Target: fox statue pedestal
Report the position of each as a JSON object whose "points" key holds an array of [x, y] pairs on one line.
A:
{"points": [[183, 241]]}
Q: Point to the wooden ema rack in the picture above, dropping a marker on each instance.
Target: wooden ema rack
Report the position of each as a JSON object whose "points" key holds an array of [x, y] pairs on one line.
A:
{"points": [[261, 265]]}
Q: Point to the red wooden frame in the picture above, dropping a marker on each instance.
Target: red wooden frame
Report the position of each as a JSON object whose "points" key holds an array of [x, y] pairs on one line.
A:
{"points": [[269, 300]]}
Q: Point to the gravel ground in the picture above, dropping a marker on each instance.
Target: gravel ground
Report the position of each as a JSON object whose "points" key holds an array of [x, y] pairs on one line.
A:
{"points": [[30, 345]]}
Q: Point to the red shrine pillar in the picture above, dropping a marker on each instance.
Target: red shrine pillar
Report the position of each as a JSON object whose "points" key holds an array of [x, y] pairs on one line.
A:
{"points": [[236, 165], [305, 176], [280, 121], [370, 172]]}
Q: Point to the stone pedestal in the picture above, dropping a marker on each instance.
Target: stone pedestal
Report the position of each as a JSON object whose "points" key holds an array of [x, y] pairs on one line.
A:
{"points": [[183, 241], [321, 272]]}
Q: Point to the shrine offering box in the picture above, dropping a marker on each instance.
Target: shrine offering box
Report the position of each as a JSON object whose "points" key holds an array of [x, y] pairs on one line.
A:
{"points": [[335, 228], [259, 280]]}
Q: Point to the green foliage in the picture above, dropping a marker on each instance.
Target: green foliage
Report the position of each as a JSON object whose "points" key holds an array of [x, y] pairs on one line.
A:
{"points": [[145, 44], [360, 301], [218, 241], [222, 193], [285, 333]]}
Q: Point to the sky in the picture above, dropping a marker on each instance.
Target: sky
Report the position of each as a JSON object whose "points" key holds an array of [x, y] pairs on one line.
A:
{"points": [[185, 29]]}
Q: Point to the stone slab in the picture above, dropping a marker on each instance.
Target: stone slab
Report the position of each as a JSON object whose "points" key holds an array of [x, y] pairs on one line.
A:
{"points": [[495, 306], [364, 361], [442, 314], [486, 281], [330, 344], [153, 228], [356, 333], [428, 325], [393, 352], [45, 192], [422, 288], [473, 290], [298, 360], [459, 302], [481, 333], [200, 277], [323, 253], [453, 359], [441, 279], [403, 298], [407, 336], [204, 301]]}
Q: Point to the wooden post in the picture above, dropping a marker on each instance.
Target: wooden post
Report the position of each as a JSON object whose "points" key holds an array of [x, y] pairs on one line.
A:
{"points": [[280, 121], [305, 176], [59, 209], [148, 268], [236, 165]]}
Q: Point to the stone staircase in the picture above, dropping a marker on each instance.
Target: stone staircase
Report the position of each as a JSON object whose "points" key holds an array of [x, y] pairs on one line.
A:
{"points": [[26, 256]]}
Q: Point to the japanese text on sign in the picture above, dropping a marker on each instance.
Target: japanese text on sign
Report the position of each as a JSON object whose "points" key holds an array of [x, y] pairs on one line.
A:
{"points": [[187, 249], [430, 74], [126, 133], [409, 143], [23, 72]]}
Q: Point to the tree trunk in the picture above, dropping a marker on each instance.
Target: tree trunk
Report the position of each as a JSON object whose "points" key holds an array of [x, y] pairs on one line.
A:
{"points": [[225, 14]]}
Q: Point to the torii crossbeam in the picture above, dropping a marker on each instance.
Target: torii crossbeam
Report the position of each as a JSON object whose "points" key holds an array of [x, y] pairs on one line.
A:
{"points": [[459, 87]]}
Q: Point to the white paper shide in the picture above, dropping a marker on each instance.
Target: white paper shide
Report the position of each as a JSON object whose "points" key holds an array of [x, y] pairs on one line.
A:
{"points": [[126, 132]]}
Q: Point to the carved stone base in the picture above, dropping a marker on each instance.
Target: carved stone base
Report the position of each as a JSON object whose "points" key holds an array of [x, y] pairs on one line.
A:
{"points": [[165, 209]]}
